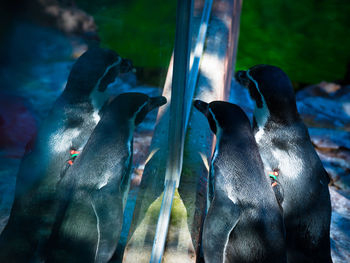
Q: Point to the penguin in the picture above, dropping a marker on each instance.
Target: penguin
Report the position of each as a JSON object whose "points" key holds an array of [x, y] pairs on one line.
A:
{"points": [[66, 128], [244, 222], [95, 188], [285, 146]]}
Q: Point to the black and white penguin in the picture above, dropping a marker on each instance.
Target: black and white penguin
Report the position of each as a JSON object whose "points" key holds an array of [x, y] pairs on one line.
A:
{"points": [[285, 147], [65, 130], [244, 222], [95, 188]]}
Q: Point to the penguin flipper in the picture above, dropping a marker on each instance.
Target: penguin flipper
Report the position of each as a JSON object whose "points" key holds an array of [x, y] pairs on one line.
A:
{"points": [[222, 218], [110, 223], [77, 235]]}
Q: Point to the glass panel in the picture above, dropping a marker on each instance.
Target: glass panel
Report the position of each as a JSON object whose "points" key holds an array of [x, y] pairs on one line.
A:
{"points": [[190, 197], [39, 46]]}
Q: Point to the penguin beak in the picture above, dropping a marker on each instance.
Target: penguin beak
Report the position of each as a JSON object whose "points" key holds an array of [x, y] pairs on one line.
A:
{"points": [[126, 65], [242, 78], [202, 106], [156, 102]]}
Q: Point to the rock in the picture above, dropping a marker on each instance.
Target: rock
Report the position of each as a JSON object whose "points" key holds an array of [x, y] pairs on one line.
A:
{"points": [[326, 90], [330, 138], [63, 15], [325, 105], [323, 89], [324, 112], [340, 227], [333, 147], [325, 108], [71, 19], [338, 170]]}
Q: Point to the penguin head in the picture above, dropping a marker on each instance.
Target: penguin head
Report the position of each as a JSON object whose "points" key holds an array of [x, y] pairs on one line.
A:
{"points": [[126, 65], [94, 70], [223, 115], [272, 91], [135, 106]]}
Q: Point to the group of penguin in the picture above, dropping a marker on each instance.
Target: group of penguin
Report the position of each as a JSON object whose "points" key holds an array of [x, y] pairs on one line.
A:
{"points": [[71, 187], [268, 197], [268, 190]]}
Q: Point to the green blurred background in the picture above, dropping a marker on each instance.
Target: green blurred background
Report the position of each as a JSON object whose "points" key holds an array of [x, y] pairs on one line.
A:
{"points": [[138, 29], [309, 39]]}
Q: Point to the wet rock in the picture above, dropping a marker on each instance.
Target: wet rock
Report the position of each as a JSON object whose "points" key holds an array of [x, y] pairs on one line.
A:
{"points": [[325, 105], [333, 147], [326, 90], [338, 170], [325, 108], [330, 138], [340, 227], [325, 113], [323, 89]]}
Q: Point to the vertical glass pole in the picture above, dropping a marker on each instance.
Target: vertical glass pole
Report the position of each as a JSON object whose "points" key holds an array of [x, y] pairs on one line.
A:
{"points": [[176, 132]]}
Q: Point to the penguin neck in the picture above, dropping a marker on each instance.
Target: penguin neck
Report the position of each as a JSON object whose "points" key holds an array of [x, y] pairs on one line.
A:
{"points": [[264, 117], [97, 97], [280, 109], [77, 90], [121, 118], [261, 115], [229, 127], [276, 116], [260, 119], [72, 95], [97, 100], [123, 129], [240, 133], [272, 126], [122, 121]]}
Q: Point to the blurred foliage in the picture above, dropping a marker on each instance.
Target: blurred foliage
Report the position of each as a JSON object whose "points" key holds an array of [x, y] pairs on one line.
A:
{"points": [[141, 30], [309, 39]]}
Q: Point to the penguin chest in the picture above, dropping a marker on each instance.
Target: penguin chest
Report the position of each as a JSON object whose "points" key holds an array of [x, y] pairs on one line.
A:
{"points": [[285, 159], [61, 140], [74, 129], [289, 179], [289, 164]]}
